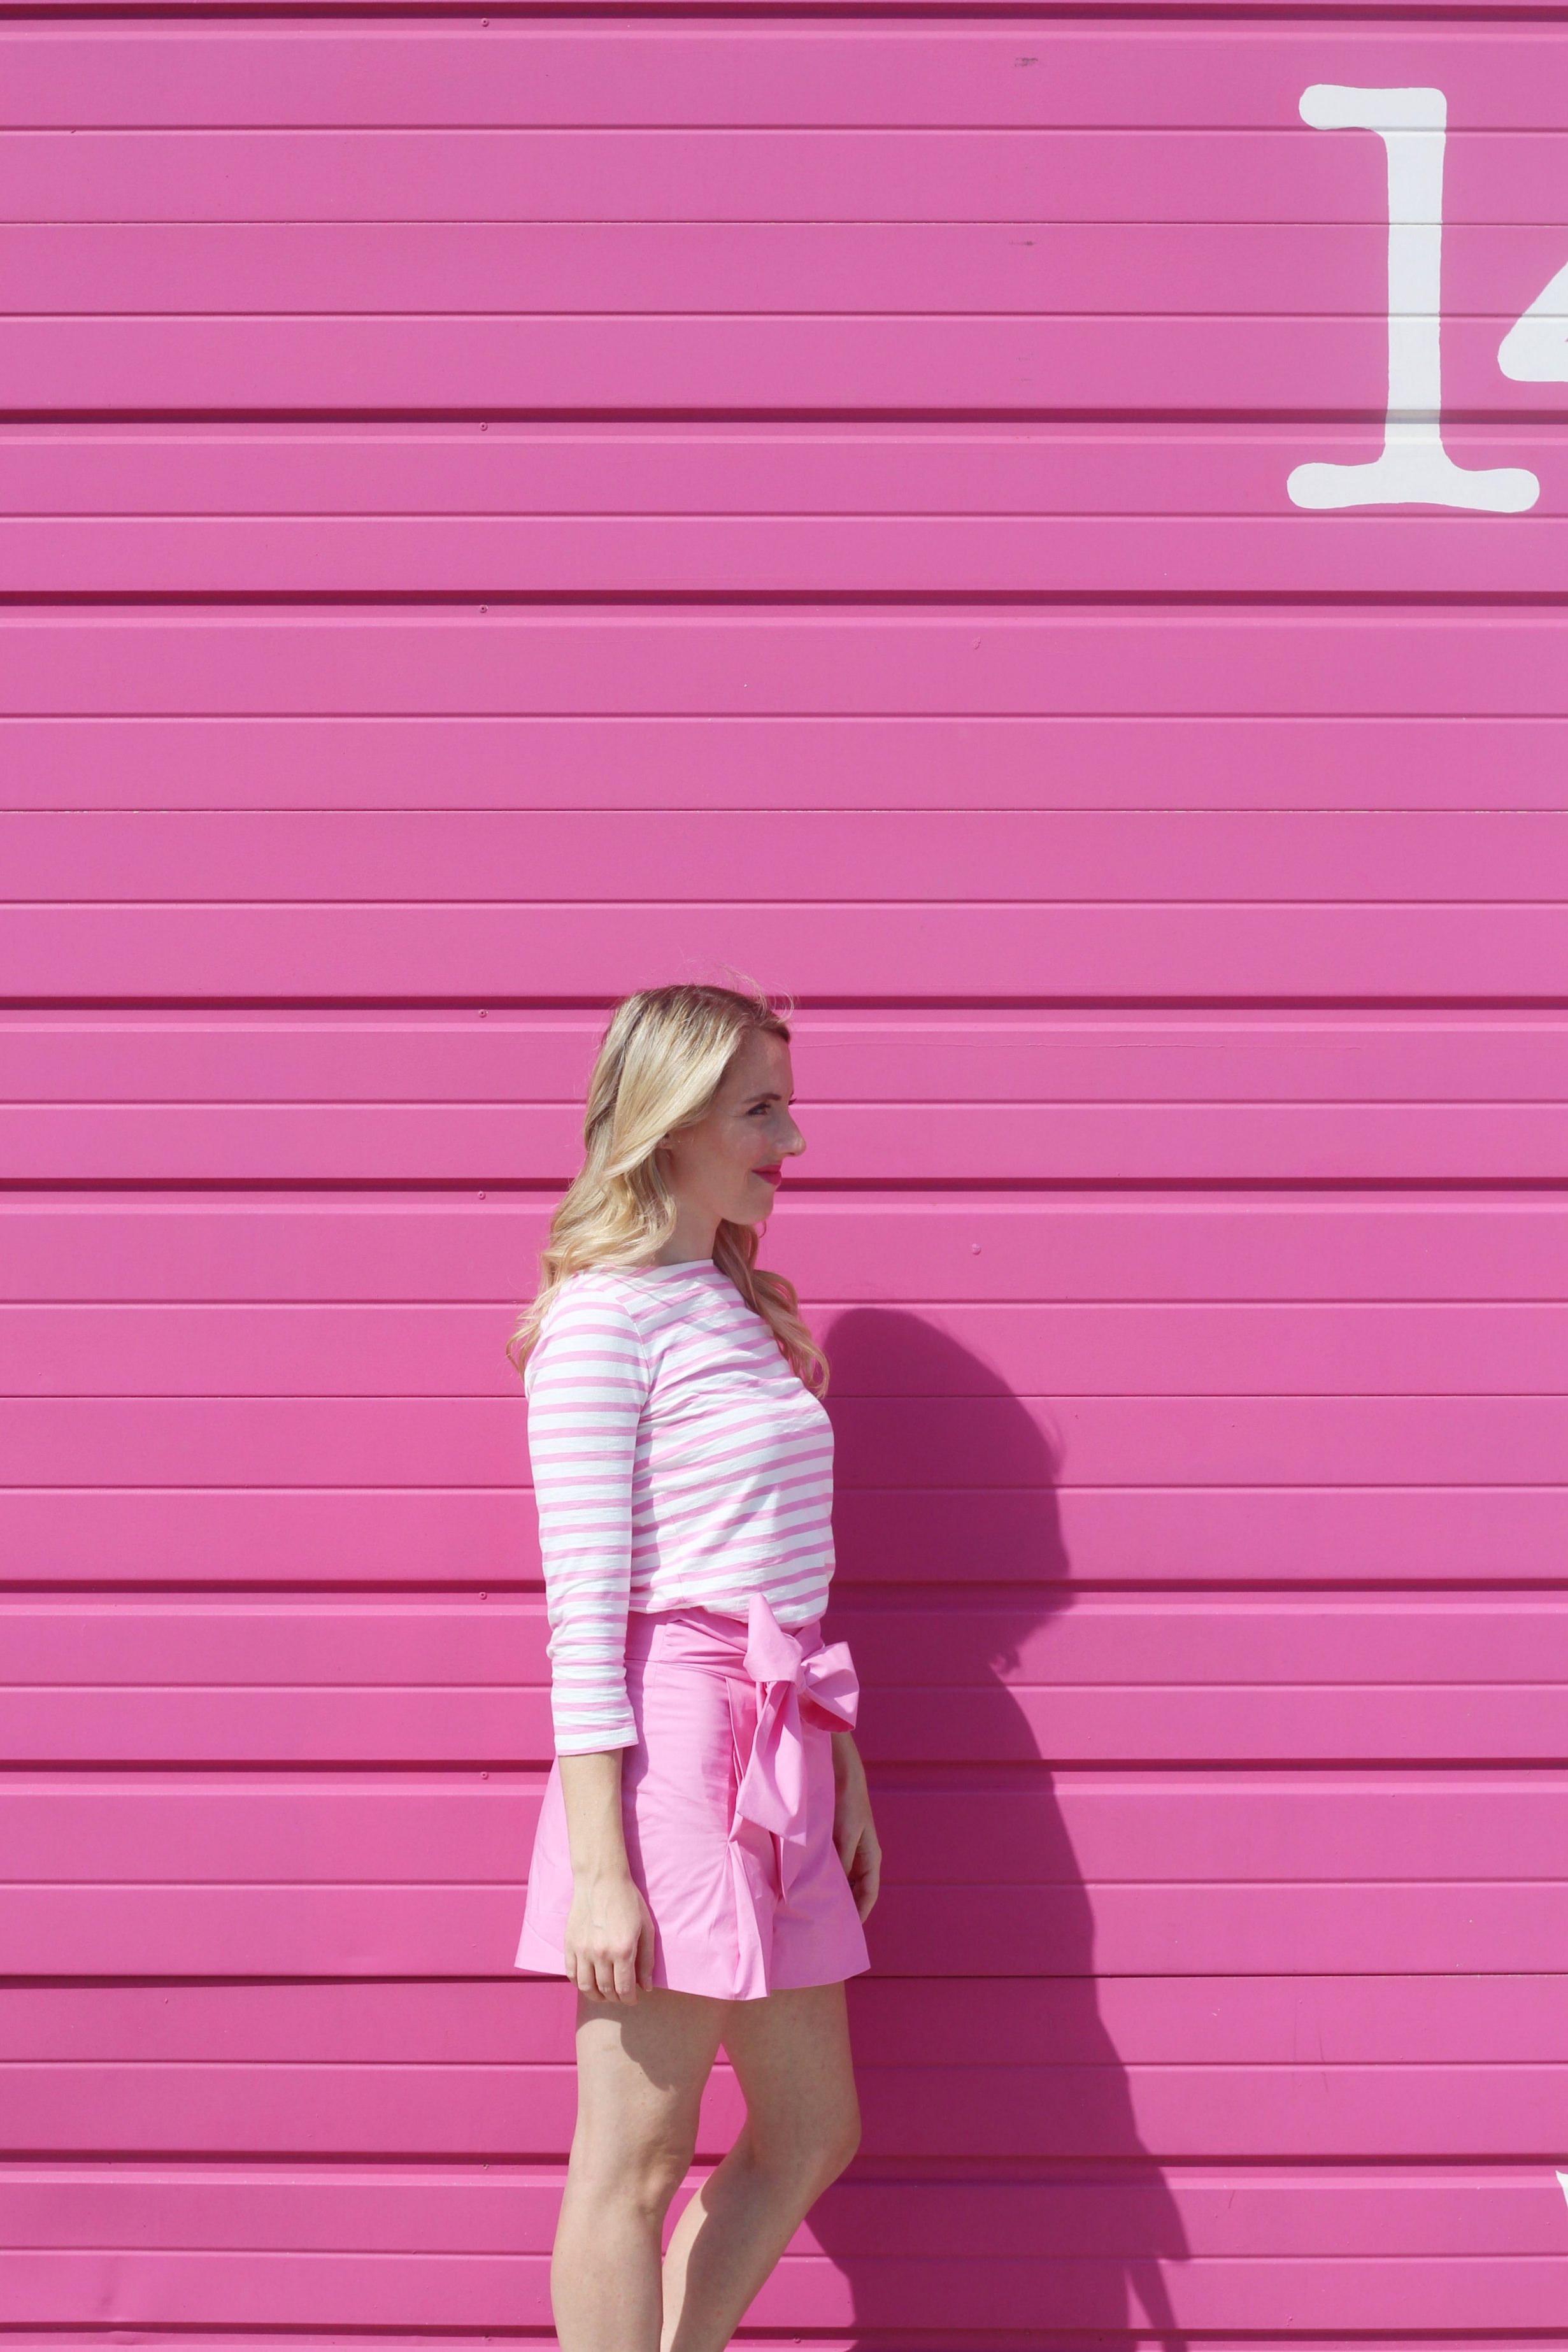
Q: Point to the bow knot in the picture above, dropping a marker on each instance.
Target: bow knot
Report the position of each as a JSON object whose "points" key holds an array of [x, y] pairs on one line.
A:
{"points": [[820, 1687]]}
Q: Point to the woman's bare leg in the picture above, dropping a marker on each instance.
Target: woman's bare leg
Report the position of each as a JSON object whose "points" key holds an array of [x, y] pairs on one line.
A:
{"points": [[640, 2073], [791, 2057]]}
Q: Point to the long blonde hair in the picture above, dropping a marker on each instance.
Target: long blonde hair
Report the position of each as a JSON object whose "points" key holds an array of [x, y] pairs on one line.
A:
{"points": [[660, 1063]]}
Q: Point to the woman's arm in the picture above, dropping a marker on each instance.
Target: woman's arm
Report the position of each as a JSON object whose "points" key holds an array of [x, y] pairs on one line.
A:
{"points": [[609, 1928], [587, 1384], [853, 1831]]}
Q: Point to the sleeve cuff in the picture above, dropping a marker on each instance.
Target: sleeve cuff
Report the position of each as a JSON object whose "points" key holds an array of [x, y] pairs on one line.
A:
{"points": [[595, 1743]]}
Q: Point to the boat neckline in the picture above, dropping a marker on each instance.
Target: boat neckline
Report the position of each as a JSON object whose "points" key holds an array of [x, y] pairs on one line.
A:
{"points": [[684, 1265]]}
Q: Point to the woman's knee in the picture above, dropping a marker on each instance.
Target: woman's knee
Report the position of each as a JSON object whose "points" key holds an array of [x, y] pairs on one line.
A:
{"points": [[642, 2170], [841, 2138], [811, 2149]]}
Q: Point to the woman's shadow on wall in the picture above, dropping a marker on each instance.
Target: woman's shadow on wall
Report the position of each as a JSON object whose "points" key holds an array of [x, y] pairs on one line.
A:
{"points": [[1071, 2217]]}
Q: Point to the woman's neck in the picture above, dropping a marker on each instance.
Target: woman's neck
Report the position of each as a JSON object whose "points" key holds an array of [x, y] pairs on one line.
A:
{"points": [[690, 1241]]}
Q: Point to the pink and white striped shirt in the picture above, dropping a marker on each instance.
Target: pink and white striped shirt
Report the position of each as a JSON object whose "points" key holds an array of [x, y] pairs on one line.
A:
{"points": [[677, 1464]]}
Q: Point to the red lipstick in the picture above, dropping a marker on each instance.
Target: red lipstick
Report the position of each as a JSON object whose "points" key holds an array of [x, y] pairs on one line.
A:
{"points": [[773, 1175]]}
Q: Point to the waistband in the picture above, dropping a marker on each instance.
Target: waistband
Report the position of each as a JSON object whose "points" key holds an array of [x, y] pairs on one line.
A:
{"points": [[696, 1632]]}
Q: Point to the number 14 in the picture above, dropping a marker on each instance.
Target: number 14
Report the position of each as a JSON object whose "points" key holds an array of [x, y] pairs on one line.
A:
{"points": [[1414, 469]]}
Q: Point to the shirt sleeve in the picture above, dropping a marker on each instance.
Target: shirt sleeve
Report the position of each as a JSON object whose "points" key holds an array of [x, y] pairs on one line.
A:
{"points": [[587, 1384]]}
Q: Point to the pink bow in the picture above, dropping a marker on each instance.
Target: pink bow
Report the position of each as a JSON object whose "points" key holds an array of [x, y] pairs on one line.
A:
{"points": [[824, 1687]]}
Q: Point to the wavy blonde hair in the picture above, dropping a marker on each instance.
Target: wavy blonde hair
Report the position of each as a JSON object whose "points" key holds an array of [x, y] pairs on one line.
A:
{"points": [[660, 1063]]}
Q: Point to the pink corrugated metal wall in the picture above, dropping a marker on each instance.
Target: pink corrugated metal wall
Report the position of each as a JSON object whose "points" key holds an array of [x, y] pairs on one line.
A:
{"points": [[497, 511]]}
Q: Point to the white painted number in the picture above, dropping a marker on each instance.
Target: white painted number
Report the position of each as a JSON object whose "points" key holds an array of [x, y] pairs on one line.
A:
{"points": [[1414, 469], [1535, 348]]}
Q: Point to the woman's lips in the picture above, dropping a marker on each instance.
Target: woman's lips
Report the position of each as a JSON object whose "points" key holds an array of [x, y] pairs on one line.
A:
{"points": [[773, 1175]]}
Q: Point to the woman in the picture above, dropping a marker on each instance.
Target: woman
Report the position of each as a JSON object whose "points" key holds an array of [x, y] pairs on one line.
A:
{"points": [[705, 1855]]}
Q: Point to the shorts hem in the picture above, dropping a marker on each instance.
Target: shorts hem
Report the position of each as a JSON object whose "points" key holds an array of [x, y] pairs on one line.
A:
{"points": [[536, 1957]]}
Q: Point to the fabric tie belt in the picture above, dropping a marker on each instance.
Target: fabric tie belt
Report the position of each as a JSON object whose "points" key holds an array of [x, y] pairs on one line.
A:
{"points": [[794, 1686]]}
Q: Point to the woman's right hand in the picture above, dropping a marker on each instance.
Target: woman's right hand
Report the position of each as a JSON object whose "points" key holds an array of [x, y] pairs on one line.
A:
{"points": [[609, 1928], [609, 1937]]}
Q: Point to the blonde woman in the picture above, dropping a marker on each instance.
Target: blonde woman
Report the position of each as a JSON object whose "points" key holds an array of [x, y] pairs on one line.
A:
{"points": [[705, 1855]]}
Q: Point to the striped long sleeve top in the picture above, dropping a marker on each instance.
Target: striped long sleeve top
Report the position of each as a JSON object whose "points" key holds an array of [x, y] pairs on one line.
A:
{"points": [[677, 1464]]}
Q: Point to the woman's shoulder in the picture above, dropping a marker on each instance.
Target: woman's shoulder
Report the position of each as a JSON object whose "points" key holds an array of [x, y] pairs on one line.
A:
{"points": [[650, 1301], [590, 1313], [594, 1294]]}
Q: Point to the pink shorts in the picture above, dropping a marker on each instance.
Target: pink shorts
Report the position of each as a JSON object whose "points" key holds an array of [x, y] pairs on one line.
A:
{"points": [[728, 1803]]}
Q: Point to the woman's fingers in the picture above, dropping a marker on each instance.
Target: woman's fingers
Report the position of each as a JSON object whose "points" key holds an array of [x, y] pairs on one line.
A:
{"points": [[595, 1972], [605, 1974], [866, 1878]]}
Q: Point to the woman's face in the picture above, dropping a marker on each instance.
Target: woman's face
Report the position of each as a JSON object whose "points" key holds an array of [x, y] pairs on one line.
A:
{"points": [[729, 1165]]}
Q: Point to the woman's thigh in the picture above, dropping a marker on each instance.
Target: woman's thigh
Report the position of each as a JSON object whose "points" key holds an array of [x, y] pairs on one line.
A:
{"points": [[641, 2068], [792, 2059]]}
